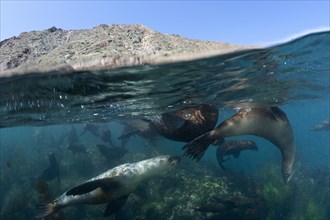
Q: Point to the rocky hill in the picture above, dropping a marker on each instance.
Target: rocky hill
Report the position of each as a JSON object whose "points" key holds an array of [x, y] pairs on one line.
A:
{"points": [[104, 46]]}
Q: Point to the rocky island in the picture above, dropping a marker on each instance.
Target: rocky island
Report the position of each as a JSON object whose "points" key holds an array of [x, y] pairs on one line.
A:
{"points": [[102, 47]]}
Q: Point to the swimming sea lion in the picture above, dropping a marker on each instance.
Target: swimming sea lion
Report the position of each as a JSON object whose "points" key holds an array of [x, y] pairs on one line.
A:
{"points": [[270, 123], [76, 147], [233, 147], [111, 153], [186, 124], [105, 135], [323, 126], [72, 136], [221, 205], [113, 186], [92, 128], [52, 171], [138, 127]]}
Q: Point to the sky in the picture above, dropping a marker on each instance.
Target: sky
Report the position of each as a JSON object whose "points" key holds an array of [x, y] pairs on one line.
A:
{"points": [[237, 22]]}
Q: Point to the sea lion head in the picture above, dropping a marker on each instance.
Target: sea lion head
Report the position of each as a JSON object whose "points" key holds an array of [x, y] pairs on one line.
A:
{"points": [[160, 164], [167, 160]]}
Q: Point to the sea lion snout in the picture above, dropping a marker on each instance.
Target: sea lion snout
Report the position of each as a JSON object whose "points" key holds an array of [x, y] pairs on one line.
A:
{"points": [[287, 172], [174, 160]]}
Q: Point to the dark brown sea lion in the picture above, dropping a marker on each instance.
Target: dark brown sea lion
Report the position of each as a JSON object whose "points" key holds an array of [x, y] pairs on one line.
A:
{"points": [[138, 127], [52, 171], [270, 123], [76, 147], [105, 135], [111, 153], [186, 124], [92, 128], [221, 205], [233, 147]]}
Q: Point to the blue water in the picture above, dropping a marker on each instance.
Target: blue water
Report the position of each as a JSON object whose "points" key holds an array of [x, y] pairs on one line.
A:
{"points": [[293, 75]]}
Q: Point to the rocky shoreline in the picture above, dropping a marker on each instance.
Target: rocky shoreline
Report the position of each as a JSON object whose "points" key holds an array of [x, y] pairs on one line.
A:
{"points": [[102, 47]]}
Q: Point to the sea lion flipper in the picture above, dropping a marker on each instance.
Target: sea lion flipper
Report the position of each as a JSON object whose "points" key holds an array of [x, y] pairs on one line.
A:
{"points": [[115, 205], [196, 148], [278, 113], [105, 184], [45, 209], [220, 156]]}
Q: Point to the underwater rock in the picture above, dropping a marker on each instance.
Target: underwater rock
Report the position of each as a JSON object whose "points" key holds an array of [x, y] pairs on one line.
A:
{"points": [[177, 195], [17, 203]]}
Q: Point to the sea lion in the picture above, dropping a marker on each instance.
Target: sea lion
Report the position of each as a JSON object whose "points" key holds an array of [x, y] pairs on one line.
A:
{"points": [[186, 124], [76, 147], [113, 186], [270, 123], [72, 136], [183, 125], [323, 126], [233, 147], [105, 135], [52, 171], [111, 153], [221, 205], [138, 127], [92, 128]]}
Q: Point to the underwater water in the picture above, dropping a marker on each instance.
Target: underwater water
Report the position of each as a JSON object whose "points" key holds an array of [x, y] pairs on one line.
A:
{"points": [[42, 114]]}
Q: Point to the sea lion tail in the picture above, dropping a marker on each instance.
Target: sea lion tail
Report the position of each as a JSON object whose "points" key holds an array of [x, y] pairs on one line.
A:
{"points": [[46, 209], [197, 147]]}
